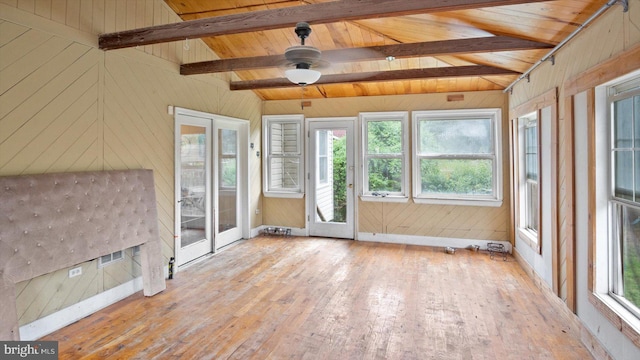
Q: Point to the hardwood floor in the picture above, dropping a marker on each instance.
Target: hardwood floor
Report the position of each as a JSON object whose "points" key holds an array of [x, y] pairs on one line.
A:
{"points": [[310, 298]]}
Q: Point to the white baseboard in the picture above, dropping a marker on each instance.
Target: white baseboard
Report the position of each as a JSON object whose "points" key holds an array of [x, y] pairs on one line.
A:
{"points": [[75, 312], [429, 240]]}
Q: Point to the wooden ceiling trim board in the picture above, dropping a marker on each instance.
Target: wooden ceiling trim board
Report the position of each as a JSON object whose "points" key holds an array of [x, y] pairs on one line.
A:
{"points": [[459, 46], [424, 27], [235, 10], [288, 17], [440, 72], [516, 22], [340, 34], [226, 6]]}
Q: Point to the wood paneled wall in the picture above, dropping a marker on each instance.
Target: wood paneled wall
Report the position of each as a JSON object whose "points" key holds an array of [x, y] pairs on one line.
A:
{"points": [[470, 222], [67, 106], [613, 32], [610, 35]]}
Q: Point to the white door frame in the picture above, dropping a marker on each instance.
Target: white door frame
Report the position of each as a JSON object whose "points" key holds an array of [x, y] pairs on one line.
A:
{"points": [[352, 215], [243, 226], [181, 116]]}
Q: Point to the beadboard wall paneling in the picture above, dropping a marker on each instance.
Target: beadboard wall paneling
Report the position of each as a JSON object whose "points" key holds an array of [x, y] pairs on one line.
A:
{"points": [[280, 212], [67, 106], [614, 32]]}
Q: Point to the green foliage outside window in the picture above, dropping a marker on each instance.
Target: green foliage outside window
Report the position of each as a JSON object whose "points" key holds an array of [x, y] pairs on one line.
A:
{"points": [[631, 254], [340, 179], [456, 176], [385, 175], [384, 138]]}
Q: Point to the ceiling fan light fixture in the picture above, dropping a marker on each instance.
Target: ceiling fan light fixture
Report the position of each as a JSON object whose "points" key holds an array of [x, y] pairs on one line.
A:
{"points": [[302, 76], [303, 57]]}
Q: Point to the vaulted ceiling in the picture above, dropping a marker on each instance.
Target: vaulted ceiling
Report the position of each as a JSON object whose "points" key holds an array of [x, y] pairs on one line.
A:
{"points": [[438, 45]]}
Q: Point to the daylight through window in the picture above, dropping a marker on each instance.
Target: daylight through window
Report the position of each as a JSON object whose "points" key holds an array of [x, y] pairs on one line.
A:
{"points": [[457, 157]]}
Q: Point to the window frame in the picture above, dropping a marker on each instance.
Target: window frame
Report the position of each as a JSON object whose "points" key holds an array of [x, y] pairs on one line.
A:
{"points": [[545, 106], [591, 85], [493, 200], [267, 190], [614, 203], [365, 119], [530, 234]]}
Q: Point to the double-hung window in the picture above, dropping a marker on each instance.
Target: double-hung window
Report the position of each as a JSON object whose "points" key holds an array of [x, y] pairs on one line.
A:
{"points": [[457, 157], [624, 198], [385, 156], [283, 156], [530, 218], [527, 177]]}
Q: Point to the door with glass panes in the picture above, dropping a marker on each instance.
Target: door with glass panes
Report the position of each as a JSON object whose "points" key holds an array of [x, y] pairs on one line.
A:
{"points": [[331, 177], [193, 188], [211, 183], [228, 172]]}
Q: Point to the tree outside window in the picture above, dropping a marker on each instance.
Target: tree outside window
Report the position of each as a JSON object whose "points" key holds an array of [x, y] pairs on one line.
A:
{"points": [[385, 155], [456, 157]]}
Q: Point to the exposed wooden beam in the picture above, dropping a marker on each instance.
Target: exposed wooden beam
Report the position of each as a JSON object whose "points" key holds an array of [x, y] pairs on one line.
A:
{"points": [[441, 72], [287, 17], [432, 48]]}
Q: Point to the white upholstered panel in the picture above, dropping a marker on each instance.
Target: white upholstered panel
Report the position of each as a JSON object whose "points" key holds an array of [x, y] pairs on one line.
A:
{"points": [[52, 221]]}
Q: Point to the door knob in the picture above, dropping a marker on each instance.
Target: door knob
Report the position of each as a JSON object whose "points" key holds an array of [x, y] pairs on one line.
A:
{"points": [[350, 186]]}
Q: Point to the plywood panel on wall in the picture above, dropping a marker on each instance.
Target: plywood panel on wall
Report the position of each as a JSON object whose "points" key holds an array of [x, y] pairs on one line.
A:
{"points": [[614, 32], [48, 123], [278, 211], [67, 106], [48, 107], [139, 131]]}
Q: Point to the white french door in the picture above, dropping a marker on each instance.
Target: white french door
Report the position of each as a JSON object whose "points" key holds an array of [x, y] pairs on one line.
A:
{"points": [[212, 186], [331, 177], [193, 188], [230, 172]]}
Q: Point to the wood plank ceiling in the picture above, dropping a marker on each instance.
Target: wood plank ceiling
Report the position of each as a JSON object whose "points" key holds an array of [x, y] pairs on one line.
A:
{"points": [[439, 46]]}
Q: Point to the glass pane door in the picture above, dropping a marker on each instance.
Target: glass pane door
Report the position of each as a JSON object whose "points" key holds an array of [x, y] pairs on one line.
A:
{"points": [[331, 179], [227, 189], [193, 174]]}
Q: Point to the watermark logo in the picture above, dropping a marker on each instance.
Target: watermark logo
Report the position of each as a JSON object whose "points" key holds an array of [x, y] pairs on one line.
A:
{"points": [[41, 350]]}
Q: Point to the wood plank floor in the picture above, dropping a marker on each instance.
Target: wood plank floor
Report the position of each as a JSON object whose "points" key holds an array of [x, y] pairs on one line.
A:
{"points": [[310, 298]]}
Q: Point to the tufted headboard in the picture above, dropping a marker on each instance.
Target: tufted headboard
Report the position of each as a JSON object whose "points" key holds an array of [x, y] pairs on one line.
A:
{"points": [[53, 221]]}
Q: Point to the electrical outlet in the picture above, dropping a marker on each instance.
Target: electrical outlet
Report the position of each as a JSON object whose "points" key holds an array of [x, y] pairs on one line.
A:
{"points": [[257, 211], [75, 272]]}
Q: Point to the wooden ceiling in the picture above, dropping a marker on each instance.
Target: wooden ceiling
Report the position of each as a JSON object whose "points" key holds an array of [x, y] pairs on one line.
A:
{"points": [[439, 45]]}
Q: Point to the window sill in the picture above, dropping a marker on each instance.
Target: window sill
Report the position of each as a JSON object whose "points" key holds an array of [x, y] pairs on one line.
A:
{"points": [[388, 198], [460, 202], [618, 315], [529, 238], [288, 195]]}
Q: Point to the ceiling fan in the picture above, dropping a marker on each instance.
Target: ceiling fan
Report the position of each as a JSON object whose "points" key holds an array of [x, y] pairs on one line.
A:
{"points": [[303, 57]]}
